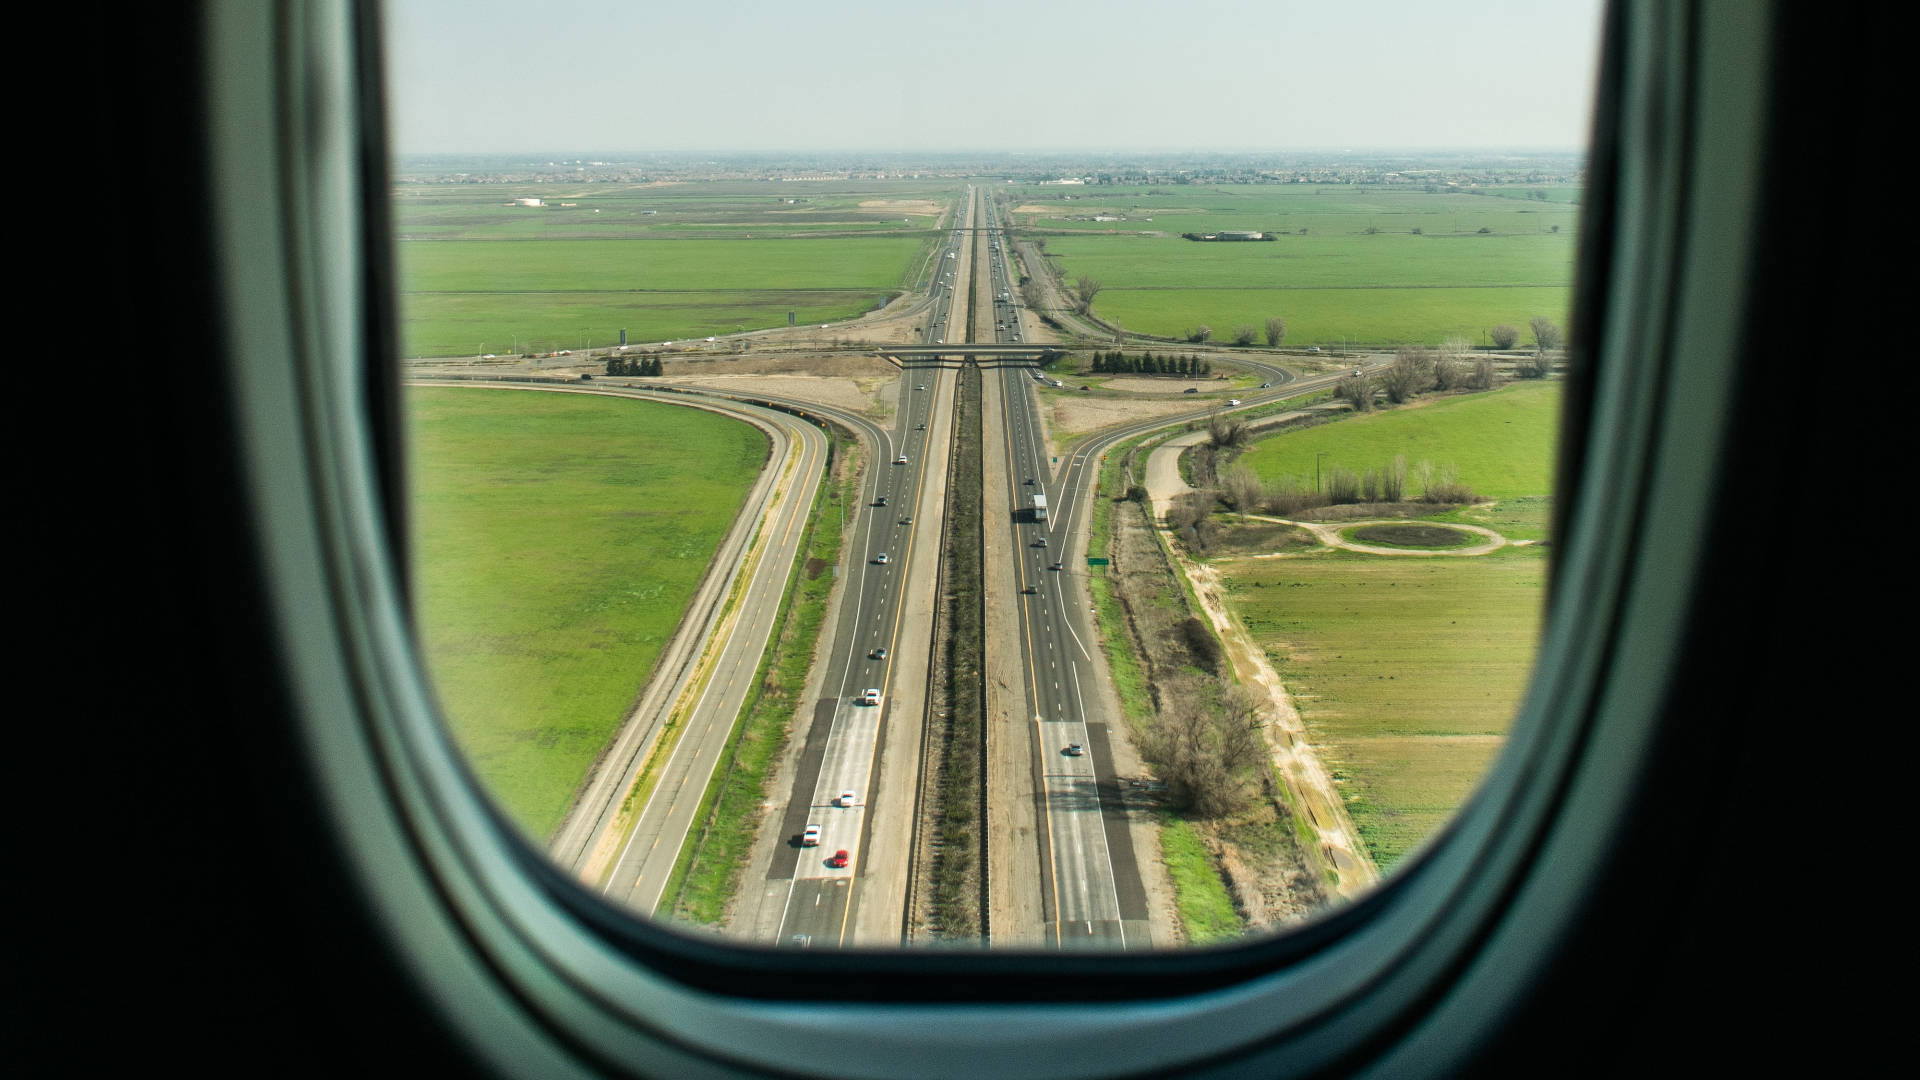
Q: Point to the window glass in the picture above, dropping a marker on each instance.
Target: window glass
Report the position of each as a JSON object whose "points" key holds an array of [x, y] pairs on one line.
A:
{"points": [[890, 476]]}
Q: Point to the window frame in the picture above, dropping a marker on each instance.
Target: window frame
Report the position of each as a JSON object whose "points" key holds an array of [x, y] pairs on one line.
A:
{"points": [[541, 978]]}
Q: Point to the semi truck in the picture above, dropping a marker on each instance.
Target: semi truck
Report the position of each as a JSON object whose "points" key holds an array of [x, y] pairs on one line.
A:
{"points": [[1039, 508]]}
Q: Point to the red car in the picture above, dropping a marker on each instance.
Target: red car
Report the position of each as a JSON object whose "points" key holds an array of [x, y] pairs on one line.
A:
{"points": [[839, 859]]}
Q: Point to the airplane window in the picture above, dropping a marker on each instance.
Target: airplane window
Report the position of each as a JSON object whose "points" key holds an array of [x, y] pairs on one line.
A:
{"points": [[327, 539], [974, 537]]}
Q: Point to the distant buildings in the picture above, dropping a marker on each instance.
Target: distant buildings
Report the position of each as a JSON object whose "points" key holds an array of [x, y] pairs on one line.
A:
{"points": [[526, 202]]}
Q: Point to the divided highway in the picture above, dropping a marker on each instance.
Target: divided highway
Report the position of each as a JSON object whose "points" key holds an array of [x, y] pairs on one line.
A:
{"points": [[839, 801]]}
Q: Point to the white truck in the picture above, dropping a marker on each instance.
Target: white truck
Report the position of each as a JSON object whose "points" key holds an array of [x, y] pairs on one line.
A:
{"points": [[1039, 508]]}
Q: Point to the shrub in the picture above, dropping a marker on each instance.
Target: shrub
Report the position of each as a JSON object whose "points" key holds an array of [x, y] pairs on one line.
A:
{"points": [[1504, 336], [1357, 391]]}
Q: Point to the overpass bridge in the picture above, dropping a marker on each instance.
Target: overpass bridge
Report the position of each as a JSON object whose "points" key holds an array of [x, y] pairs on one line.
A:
{"points": [[982, 351]]}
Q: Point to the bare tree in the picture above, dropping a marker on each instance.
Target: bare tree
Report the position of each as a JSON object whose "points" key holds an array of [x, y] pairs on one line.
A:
{"points": [[1410, 375], [1482, 377], [1545, 333], [1244, 334], [1244, 489], [1357, 391], [1084, 290], [1504, 336], [1276, 330], [1207, 746], [1200, 333], [1393, 479], [1224, 430], [1030, 293]]}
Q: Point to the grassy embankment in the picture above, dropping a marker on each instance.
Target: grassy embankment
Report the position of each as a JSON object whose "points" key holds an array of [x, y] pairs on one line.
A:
{"points": [[1407, 670], [1359, 272], [1202, 902], [708, 870], [558, 541]]}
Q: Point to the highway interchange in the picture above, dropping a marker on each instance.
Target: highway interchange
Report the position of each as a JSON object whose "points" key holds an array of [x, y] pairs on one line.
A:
{"points": [[1064, 868]]}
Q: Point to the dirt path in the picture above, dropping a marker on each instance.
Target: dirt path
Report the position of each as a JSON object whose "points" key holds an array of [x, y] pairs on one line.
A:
{"points": [[1328, 533]]}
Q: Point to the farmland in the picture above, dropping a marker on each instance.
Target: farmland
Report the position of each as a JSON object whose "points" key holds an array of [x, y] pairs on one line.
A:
{"points": [[1350, 264], [557, 540], [481, 274], [1407, 670], [1501, 442]]}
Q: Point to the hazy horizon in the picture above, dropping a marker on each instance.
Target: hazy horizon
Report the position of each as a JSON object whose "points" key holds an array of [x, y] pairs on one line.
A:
{"points": [[489, 78]]}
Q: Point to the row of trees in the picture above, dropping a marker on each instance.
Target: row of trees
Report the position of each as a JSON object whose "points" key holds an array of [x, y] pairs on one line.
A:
{"points": [[1244, 334], [623, 365], [1243, 491], [1117, 362], [1417, 370]]}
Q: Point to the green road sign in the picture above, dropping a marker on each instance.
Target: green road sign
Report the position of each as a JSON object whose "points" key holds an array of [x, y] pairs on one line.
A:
{"points": [[1091, 561]]}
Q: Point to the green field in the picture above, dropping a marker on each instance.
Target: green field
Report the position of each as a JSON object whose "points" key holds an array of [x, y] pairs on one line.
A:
{"points": [[1407, 670], [1501, 441], [1358, 273], [557, 541], [479, 274]]}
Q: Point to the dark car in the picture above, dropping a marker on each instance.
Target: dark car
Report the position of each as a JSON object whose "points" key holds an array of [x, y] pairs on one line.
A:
{"points": [[1031, 590]]}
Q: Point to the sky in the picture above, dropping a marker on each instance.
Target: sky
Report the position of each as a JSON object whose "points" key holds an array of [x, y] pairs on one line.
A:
{"points": [[483, 76]]}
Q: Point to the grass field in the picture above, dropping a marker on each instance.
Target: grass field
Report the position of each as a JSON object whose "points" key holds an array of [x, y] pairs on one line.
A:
{"points": [[487, 295], [557, 541], [1358, 272], [1407, 671], [1501, 441], [479, 274]]}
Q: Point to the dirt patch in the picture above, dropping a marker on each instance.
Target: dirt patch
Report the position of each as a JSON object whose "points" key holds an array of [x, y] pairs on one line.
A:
{"points": [[1077, 415], [842, 392], [904, 206]]}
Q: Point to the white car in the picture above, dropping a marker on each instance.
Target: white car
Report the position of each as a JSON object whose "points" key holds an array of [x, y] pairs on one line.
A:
{"points": [[901, 460], [871, 697], [881, 558], [848, 798], [713, 339], [1233, 401], [810, 837]]}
